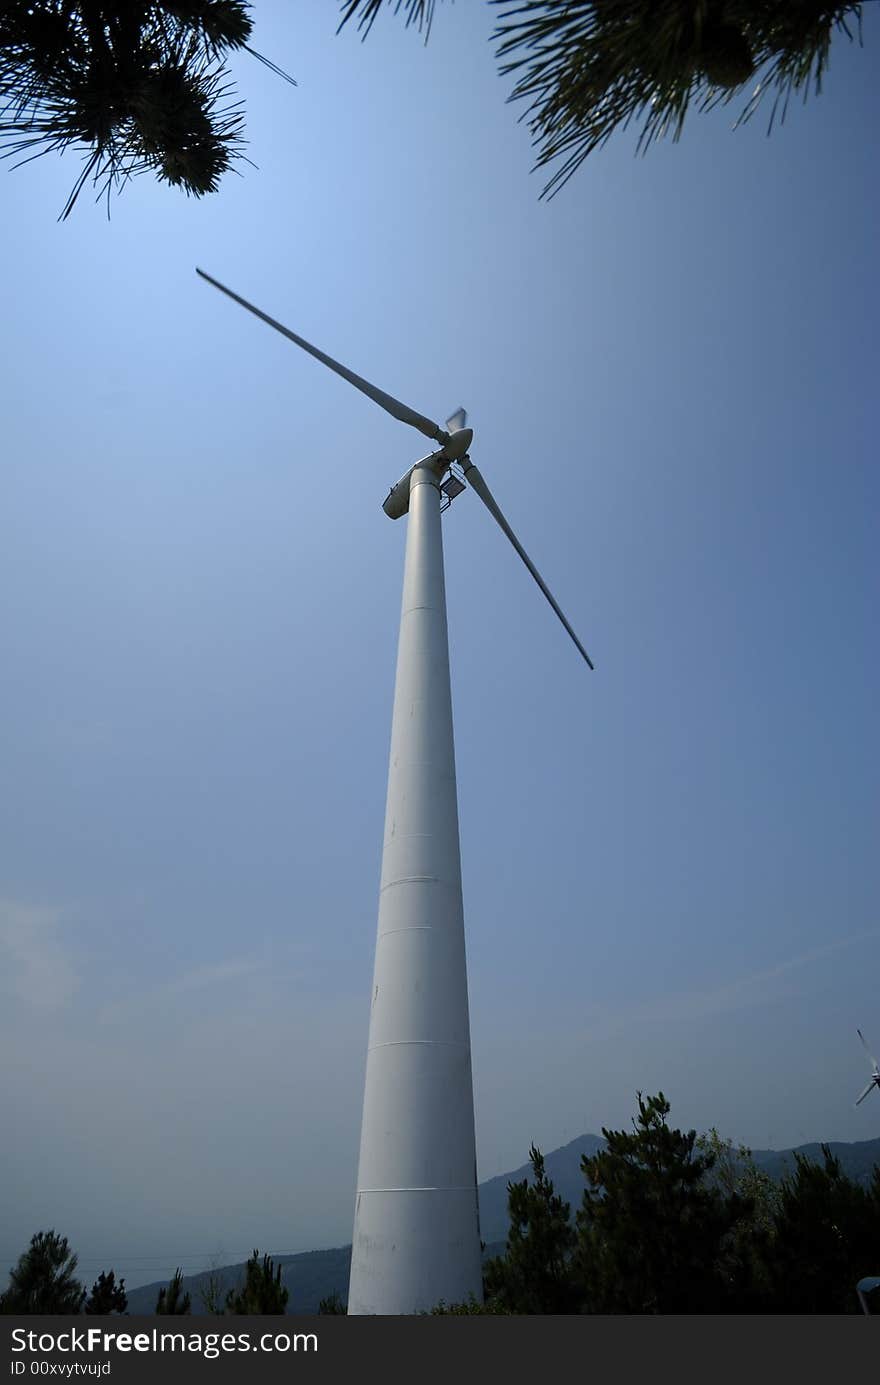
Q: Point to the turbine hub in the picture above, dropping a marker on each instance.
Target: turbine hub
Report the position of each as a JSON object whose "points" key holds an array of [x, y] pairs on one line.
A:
{"points": [[458, 444]]}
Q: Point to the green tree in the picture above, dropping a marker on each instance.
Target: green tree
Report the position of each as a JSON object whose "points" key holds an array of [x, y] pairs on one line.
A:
{"points": [[491, 1307], [827, 1237], [173, 1299], [586, 68], [746, 1249], [263, 1291], [138, 87], [43, 1280], [107, 1296], [651, 1225], [332, 1304], [211, 1291], [535, 1273]]}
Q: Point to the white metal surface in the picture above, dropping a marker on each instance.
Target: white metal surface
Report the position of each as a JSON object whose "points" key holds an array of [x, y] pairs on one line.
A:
{"points": [[396, 503], [875, 1070], [475, 480], [393, 406], [416, 1229]]}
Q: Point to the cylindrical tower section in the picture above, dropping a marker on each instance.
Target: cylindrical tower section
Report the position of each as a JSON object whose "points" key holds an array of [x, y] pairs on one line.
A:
{"points": [[416, 1228]]}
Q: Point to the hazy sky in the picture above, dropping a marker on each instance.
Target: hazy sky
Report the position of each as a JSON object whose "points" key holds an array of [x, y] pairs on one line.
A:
{"points": [[670, 865]]}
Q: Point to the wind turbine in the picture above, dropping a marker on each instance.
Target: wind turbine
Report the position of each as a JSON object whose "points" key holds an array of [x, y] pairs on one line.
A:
{"points": [[875, 1069], [416, 1236]]}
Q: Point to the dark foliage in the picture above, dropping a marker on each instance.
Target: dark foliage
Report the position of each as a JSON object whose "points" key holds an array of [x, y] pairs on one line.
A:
{"points": [[745, 1250], [263, 1291], [492, 1307], [173, 1300], [43, 1280], [139, 87], [827, 1238], [586, 68], [534, 1275], [418, 12], [651, 1224], [676, 1223], [107, 1296]]}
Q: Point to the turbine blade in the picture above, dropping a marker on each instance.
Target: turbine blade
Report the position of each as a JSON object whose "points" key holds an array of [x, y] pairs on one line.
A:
{"points": [[867, 1050], [456, 421], [385, 401], [869, 1088], [475, 480]]}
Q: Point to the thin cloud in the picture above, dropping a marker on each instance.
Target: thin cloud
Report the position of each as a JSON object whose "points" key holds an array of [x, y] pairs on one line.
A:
{"points": [[199, 979], [214, 974], [37, 965], [744, 993]]}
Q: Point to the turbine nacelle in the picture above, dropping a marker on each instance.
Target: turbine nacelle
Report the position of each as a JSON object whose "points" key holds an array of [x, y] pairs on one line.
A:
{"points": [[396, 503]]}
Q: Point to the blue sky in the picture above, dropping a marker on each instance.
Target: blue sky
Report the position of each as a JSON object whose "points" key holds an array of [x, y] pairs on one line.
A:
{"points": [[670, 865]]}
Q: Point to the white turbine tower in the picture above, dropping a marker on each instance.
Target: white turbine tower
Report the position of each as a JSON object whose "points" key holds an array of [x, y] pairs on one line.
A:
{"points": [[416, 1225]]}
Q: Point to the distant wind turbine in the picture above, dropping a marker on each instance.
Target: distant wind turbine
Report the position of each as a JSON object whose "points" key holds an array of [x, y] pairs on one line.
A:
{"points": [[875, 1069], [416, 1226]]}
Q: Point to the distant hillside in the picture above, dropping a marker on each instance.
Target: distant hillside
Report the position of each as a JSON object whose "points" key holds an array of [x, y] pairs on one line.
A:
{"points": [[562, 1165], [317, 1274], [309, 1277], [857, 1160]]}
